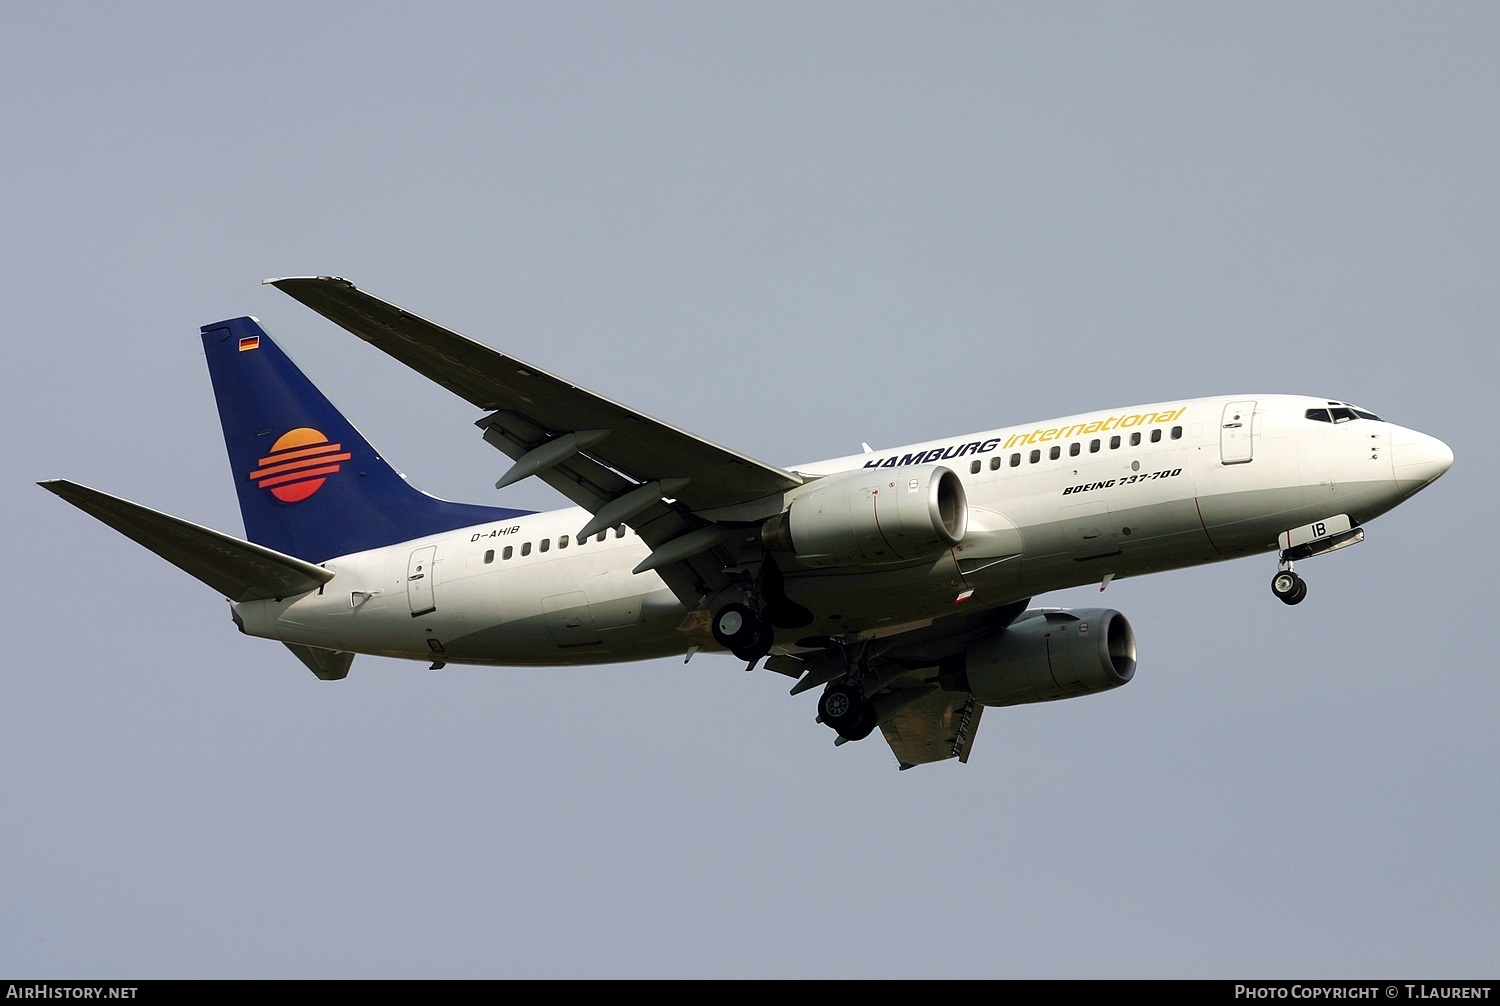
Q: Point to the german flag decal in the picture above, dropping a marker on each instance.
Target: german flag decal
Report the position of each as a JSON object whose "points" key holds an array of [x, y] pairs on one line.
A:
{"points": [[249, 342], [298, 464]]}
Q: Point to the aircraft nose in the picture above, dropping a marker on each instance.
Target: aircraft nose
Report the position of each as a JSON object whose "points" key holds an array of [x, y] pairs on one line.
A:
{"points": [[1417, 459]]}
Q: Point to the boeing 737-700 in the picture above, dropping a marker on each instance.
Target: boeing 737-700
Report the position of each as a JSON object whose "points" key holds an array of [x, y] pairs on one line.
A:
{"points": [[896, 581]]}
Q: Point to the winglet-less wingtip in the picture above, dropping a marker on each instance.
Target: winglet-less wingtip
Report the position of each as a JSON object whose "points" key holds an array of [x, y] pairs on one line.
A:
{"points": [[277, 280]]}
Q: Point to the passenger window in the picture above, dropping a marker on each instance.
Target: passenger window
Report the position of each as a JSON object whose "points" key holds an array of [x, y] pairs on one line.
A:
{"points": [[1015, 460], [1177, 433], [1135, 440], [995, 463], [1073, 450], [619, 530], [489, 556], [1156, 436], [546, 544], [974, 468], [509, 551], [1036, 456], [1114, 443], [526, 548], [562, 542], [1055, 453], [1093, 447]]}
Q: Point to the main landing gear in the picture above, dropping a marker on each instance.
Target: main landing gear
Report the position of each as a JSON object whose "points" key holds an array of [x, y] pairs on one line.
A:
{"points": [[738, 629], [1288, 587], [845, 708]]}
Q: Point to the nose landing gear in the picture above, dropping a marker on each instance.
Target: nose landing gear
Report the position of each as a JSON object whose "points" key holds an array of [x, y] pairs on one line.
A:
{"points": [[1288, 587]]}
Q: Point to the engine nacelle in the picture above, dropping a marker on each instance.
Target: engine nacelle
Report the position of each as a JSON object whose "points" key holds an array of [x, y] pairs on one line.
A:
{"points": [[1045, 655], [870, 517]]}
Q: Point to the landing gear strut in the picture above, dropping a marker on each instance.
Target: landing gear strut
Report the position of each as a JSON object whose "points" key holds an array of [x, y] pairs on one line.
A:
{"points": [[1288, 587]]}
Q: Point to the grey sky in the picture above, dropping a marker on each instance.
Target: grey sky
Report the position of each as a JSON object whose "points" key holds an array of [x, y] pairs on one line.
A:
{"points": [[788, 228]]}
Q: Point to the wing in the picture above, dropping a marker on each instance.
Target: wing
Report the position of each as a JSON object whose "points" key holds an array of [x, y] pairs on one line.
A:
{"points": [[619, 464]]}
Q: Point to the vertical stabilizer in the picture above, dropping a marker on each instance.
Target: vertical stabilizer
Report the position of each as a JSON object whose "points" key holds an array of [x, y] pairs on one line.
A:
{"points": [[309, 484]]}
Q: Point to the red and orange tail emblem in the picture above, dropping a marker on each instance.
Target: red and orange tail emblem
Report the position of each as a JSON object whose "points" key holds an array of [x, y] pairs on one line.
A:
{"points": [[299, 462]]}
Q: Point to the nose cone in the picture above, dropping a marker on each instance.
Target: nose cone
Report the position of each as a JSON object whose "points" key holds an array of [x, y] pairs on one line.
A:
{"points": [[1417, 459]]}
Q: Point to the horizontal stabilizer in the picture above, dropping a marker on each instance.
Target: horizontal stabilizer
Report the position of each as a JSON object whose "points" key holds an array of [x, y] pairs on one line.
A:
{"points": [[239, 570]]}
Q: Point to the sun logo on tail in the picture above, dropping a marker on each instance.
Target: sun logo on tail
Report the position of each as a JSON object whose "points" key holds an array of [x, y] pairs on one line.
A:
{"points": [[299, 462]]}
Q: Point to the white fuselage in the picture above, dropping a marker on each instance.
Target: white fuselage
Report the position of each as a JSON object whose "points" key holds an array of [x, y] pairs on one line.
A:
{"points": [[1207, 479]]}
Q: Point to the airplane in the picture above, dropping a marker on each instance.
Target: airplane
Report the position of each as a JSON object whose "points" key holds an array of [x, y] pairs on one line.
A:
{"points": [[897, 581]]}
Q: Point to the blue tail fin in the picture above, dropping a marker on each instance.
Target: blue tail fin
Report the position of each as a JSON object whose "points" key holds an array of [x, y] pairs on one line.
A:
{"points": [[309, 484]]}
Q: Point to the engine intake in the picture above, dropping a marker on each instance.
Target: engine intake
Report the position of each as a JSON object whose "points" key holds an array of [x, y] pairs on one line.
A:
{"points": [[1046, 655], [870, 517]]}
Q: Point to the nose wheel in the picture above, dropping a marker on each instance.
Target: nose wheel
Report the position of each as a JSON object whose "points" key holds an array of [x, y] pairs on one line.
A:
{"points": [[1288, 587]]}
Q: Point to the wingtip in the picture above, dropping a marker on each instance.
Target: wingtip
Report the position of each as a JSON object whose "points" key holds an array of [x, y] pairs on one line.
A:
{"points": [[276, 281]]}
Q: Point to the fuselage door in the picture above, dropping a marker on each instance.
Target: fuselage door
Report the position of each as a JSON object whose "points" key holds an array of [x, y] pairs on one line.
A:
{"points": [[1236, 433], [419, 581]]}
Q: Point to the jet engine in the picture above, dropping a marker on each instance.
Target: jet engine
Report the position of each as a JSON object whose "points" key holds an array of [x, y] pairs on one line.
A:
{"points": [[1045, 654], [870, 517]]}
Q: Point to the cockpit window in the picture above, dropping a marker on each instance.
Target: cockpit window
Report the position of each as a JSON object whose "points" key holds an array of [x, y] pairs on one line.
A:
{"points": [[1340, 412]]}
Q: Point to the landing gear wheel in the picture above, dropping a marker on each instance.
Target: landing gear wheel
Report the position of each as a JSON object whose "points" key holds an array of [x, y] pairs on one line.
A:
{"points": [[758, 647], [845, 709], [736, 627], [1288, 587]]}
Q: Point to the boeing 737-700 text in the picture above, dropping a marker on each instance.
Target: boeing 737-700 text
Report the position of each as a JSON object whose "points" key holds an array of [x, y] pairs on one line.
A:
{"points": [[897, 581]]}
